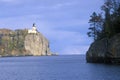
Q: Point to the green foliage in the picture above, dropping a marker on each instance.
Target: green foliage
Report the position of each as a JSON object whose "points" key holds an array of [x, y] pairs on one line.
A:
{"points": [[96, 22], [12, 41], [109, 25]]}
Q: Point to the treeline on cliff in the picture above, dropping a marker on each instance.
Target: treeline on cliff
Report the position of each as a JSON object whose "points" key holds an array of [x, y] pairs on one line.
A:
{"points": [[12, 42], [107, 23]]}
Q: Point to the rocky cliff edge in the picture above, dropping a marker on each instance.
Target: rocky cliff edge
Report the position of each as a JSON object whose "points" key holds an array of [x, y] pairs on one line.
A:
{"points": [[105, 51], [21, 43]]}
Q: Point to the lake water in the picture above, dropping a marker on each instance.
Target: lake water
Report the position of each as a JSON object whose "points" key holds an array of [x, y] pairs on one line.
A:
{"points": [[55, 68]]}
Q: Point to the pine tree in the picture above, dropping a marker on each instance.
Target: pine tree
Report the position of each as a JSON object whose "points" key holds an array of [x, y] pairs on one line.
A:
{"points": [[109, 25], [95, 26]]}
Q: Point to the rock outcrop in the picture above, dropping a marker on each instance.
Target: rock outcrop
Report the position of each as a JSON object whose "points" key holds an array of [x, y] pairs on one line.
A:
{"points": [[21, 43], [105, 51], [37, 44]]}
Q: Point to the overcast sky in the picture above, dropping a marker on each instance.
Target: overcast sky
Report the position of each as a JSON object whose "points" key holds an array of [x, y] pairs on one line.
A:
{"points": [[63, 22]]}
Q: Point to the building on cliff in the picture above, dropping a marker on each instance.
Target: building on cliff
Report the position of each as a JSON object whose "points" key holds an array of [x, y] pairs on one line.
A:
{"points": [[33, 30], [23, 43], [35, 43]]}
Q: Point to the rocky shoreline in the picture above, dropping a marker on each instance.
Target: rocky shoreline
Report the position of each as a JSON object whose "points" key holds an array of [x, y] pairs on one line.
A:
{"points": [[105, 51]]}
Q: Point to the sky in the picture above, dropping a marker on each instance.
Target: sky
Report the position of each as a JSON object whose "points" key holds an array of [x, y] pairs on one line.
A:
{"points": [[63, 22]]}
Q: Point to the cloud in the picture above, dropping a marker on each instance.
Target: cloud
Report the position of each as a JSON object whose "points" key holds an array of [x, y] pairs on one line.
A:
{"points": [[57, 5], [60, 5], [7, 0], [63, 22], [10, 2], [75, 50], [69, 42]]}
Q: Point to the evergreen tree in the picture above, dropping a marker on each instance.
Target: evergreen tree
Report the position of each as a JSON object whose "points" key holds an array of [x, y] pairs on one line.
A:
{"points": [[95, 26], [109, 25]]}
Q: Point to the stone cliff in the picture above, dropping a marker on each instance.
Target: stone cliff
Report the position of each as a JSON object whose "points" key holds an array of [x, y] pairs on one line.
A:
{"points": [[37, 44], [105, 50], [21, 43]]}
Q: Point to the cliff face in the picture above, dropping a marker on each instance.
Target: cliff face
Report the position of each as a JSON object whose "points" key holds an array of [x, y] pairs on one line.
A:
{"points": [[37, 44], [20, 43], [105, 51], [97, 51]]}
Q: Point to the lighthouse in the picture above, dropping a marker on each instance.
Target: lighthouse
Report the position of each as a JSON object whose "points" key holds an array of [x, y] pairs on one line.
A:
{"points": [[33, 30]]}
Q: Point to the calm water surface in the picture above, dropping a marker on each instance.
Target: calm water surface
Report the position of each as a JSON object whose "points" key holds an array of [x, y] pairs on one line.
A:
{"points": [[55, 68]]}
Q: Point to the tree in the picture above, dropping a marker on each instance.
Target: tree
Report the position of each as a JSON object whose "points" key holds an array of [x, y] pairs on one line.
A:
{"points": [[116, 20], [95, 28], [110, 8], [107, 8], [107, 24]]}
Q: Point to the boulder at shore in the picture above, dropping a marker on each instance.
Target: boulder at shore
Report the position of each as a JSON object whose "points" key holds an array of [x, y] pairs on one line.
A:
{"points": [[105, 51]]}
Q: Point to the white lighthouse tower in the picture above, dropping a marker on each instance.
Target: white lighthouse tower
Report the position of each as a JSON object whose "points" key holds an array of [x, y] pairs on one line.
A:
{"points": [[33, 30]]}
